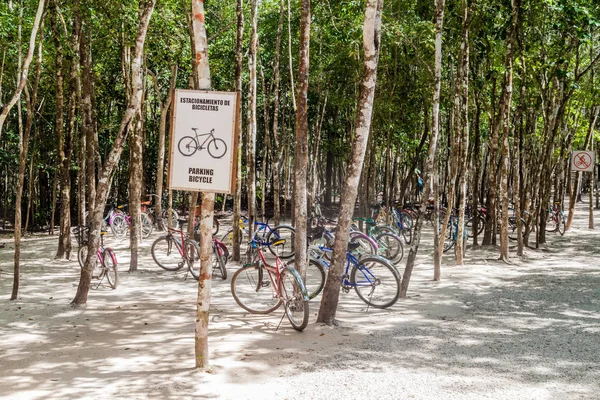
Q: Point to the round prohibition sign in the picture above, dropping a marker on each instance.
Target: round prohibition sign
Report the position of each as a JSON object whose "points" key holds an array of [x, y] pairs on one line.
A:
{"points": [[582, 160]]}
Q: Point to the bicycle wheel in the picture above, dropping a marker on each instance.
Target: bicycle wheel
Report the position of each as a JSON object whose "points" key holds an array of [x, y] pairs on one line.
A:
{"points": [[217, 148], [253, 290], [449, 239], [407, 220], [110, 268], [512, 227], [119, 226], [215, 228], [296, 306], [192, 253], [376, 282], [480, 225], [227, 238], [187, 146], [146, 225], [390, 247], [82, 255], [165, 252], [174, 219], [561, 224], [366, 244], [552, 222], [274, 239], [221, 254], [314, 280]]}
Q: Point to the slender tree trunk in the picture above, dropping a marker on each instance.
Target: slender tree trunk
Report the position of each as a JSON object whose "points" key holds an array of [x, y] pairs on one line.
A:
{"points": [[429, 175], [237, 200], [24, 71], [505, 116], [162, 133], [135, 185], [251, 144], [278, 156], [371, 43], [200, 44], [23, 148], [97, 194], [292, 85], [301, 148]]}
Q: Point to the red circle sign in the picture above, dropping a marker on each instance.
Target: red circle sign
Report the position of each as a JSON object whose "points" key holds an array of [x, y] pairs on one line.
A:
{"points": [[582, 160]]}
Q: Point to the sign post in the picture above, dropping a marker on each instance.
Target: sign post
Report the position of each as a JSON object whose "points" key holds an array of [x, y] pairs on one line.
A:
{"points": [[203, 143]]}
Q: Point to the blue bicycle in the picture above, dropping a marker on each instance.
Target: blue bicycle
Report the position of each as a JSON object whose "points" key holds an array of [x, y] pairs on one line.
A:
{"points": [[375, 280]]}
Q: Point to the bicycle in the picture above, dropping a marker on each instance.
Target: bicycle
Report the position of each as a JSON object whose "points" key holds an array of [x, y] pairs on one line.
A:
{"points": [[220, 256], [216, 147], [161, 220], [267, 236], [389, 245], [121, 223], [105, 265], [368, 275], [171, 253], [257, 295], [556, 219]]}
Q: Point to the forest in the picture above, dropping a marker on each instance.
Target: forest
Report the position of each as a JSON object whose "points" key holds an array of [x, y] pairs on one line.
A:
{"points": [[345, 104]]}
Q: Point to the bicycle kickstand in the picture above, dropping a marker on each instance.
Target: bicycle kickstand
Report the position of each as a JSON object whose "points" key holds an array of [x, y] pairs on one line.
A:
{"points": [[281, 320]]}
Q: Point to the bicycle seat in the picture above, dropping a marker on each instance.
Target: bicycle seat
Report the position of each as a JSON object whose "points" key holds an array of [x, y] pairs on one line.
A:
{"points": [[146, 203], [103, 232], [353, 246], [278, 242]]}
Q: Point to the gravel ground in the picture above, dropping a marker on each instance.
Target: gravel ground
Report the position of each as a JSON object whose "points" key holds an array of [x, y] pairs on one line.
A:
{"points": [[488, 330]]}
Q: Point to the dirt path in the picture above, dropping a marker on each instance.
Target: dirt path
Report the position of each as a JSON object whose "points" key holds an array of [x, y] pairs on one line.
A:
{"points": [[487, 330]]}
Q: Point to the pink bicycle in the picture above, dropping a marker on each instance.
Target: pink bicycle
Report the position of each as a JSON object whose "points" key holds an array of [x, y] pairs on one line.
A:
{"points": [[106, 264]]}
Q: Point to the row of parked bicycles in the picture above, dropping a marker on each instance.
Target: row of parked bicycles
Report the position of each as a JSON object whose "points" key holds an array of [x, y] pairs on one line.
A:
{"points": [[268, 279]]}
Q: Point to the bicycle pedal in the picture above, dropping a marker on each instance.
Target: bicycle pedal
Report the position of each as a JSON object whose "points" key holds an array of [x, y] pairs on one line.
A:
{"points": [[265, 283]]}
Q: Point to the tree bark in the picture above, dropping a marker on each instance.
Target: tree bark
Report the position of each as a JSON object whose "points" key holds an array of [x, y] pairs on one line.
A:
{"points": [[237, 199], [23, 148], [301, 148], [429, 175], [371, 43], [25, 68], [251, 138], [97, 194], [200, 44]]}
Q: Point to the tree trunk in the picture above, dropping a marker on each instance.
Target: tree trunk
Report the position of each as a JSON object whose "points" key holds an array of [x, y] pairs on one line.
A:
{"points": [[429, 175], [251, 144], [97, 194], [371, 42], [301, 148], [200, 44], [25, 68], [162, 133], [237, 199], [23, 148], [278, 156], [505, 103]]}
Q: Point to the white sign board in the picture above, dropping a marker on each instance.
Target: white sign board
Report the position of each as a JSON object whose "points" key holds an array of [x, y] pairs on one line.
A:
{"points": [[203, 144], [582, 160]]}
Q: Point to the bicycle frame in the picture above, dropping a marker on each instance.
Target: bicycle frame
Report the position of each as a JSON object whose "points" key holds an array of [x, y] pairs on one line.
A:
{"points": [[351, 261], [210, 135]]}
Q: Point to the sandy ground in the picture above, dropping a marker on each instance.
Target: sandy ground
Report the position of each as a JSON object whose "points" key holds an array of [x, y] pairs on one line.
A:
{"points": [[486, 331]]}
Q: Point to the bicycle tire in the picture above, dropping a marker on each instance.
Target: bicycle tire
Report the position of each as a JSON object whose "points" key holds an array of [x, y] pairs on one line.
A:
{"points": [[551, 222], [285, 250], [227, 238], [221, 255], [165, 253], [314, 281], [449, 239], [294, 298], [81, 256], [119, 226], [561, 224], [390, 247], [480, 225], [187, 146], [110, 267], [366, 244], [192, 253], [512, 228], [215, 227], [165, 220], [216, 148], [407, 220], [368, 275], [252, 290], [147, 225]]}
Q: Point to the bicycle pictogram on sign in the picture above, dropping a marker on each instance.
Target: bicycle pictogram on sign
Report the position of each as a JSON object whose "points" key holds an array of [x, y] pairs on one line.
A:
{"points": [[583, 160]]}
